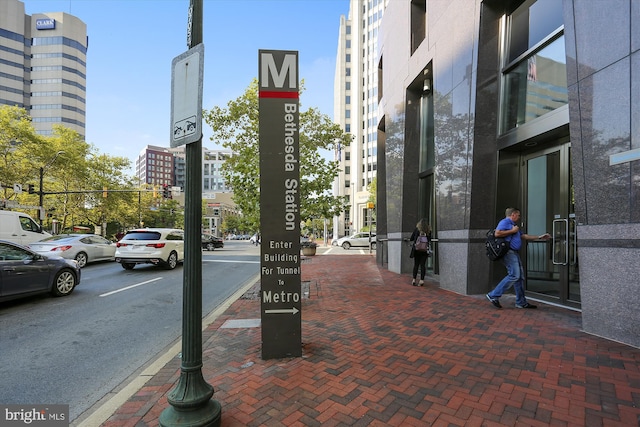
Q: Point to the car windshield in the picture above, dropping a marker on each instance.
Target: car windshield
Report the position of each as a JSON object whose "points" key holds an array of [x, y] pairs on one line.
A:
{"points": [[142, 235]]}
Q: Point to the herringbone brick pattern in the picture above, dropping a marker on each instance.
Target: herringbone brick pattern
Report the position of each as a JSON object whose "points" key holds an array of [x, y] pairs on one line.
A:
{"points": [[379, 352]]}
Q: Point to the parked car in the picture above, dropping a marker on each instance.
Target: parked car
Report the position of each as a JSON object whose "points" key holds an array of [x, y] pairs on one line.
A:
{"points": [[357, 240], [84, 248], [24, 272], [211, 242], [157, 246]]}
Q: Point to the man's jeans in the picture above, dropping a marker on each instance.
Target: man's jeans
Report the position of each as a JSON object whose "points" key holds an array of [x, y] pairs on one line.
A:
{"points": [[514, 277]]}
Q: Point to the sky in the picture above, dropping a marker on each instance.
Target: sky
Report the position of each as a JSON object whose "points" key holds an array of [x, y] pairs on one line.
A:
{"points": [[132, 44]]}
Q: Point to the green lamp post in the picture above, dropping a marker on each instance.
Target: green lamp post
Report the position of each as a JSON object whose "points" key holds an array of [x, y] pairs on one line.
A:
{"points": [[190, 400]]}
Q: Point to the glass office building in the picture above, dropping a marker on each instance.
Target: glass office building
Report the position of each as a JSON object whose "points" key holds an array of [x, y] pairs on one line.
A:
{"points": [[43, 66], [489, 104]]}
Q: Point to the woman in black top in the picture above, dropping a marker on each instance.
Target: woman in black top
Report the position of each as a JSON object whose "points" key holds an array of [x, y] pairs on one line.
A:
{"points": [[420, 257]]}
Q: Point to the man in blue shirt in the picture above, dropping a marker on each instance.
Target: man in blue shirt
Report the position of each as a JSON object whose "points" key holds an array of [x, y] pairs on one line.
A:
{"points": [[508, 228]]}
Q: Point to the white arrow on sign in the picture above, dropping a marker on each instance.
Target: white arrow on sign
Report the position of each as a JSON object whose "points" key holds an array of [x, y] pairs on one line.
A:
{"points": [[282, 311]]}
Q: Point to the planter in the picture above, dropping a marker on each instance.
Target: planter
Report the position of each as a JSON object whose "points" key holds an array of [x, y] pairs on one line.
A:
{"points": [[309, 251]]}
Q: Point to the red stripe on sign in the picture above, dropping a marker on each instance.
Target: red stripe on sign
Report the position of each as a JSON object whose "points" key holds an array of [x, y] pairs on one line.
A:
{"points": [[273, 94]]}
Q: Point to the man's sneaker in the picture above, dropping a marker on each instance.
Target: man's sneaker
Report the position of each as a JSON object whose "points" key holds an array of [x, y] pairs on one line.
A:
{"points": [[494, 301], [413, 282], [421, 283], [527, 305]]}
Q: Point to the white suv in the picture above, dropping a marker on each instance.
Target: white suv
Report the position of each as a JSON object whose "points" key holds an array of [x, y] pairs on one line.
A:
{"points": [[158, 246]]}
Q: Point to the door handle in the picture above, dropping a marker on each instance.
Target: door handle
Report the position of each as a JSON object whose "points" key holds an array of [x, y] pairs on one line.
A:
{"points": [[557, 259], [574, 241]]}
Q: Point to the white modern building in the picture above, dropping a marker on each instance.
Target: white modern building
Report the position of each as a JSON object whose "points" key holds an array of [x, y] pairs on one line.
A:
{"points": [[212, 161], [43, 66], [355, 109]]}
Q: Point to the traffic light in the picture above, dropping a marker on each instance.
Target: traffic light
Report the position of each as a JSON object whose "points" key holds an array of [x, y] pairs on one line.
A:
{"points": [[31, 189], [166, 191], [104, 192], [155, 191]]}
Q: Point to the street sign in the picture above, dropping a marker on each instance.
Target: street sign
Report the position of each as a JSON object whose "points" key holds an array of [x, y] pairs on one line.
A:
{"points": [[187, 71], [280, 281]]}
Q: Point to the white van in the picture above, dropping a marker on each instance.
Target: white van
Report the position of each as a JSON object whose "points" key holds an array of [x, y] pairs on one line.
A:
{"points": [[18, 227]]}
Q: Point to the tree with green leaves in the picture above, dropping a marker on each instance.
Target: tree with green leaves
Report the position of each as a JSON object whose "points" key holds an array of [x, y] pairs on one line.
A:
{"points": [[73, 174], [18, 140], [236, 128]]}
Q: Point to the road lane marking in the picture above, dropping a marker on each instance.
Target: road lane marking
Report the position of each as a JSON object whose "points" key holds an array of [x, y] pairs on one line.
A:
{"points": [[130, 287]]}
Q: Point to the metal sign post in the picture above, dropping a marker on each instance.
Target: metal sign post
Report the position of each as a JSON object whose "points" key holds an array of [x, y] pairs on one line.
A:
{"points": [[190, 400]]}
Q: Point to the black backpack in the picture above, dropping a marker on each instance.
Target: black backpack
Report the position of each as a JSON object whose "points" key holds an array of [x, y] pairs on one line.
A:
{"points": [[497, 247]]}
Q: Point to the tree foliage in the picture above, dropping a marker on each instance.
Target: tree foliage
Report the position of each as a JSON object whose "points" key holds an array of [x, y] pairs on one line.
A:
{"points": [[235, 127], [18, 140], [74, 176]]}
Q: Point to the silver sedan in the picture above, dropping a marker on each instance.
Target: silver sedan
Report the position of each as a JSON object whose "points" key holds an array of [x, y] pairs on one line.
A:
{"points": [[84, 248]]}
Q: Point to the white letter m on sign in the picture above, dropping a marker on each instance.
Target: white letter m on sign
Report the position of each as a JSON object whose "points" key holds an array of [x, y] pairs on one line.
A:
{"points": [[269, 68]]}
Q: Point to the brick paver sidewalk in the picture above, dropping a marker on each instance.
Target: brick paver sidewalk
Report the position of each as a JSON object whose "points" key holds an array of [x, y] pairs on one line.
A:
{"points": [[380, 352]]}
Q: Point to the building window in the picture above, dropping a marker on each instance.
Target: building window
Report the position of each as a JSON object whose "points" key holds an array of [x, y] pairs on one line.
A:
{"points": [[418, 23], [427, 144], [534, 74]]}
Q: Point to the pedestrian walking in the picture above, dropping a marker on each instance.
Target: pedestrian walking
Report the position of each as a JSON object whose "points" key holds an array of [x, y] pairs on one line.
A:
{"points": [[420, 250], [508, 229]]}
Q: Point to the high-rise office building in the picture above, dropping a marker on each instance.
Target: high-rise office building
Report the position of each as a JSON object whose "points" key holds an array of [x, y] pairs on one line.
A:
{"points": [[489, 104], [43, 66], [356, 110]]}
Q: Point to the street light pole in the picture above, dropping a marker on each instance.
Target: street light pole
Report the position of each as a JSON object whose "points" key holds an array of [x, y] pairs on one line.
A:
{"points": [[41, 190], [41, 199], [190, 400]]}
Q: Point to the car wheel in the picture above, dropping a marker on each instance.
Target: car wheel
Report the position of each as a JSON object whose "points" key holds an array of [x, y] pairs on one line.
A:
{"points": [[346, 245], [81, 257], [373, 245], [128, 266], [172, 261], [210, 246], [64, 283]]}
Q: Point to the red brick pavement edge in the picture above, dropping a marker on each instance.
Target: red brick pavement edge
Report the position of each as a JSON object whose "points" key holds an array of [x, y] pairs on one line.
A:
{"points": [[380, 352]]}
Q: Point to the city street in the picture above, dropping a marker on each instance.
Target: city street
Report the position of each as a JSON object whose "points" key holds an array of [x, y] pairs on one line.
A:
{"points": [[76, 350]]}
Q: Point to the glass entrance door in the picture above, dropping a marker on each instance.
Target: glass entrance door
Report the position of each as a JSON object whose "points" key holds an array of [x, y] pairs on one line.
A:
{"points": [[552, 266]]}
